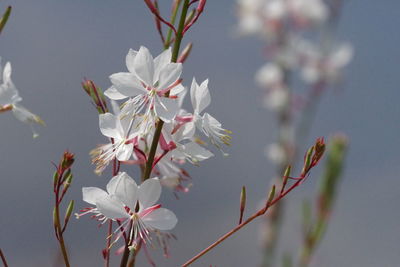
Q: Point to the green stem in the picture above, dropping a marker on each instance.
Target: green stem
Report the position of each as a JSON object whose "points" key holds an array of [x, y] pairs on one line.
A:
{"points": [[172, 21], [5, 17], [175, 54], [60, 237]]}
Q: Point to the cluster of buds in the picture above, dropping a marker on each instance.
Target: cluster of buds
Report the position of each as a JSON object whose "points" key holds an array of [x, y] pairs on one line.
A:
{"points": [[62, 180]]}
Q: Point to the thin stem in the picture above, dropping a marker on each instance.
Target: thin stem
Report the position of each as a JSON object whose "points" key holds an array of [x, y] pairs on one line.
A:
{"points": [[240, 226], [175, 54], [173, 18], [60, 237], [3, 258], [108, 244]]}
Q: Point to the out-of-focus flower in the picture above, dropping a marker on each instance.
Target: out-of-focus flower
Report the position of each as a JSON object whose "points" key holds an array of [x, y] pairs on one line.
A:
{"points": [[326, 66], [146, 84], [130, 204], [9, 100]]}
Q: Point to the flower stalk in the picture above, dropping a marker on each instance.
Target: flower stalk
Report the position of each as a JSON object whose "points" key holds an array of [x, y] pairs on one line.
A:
{"points": [[314, 154], [62, 179]]}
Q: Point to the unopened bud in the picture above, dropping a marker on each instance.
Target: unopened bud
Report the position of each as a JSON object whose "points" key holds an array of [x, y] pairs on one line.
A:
{"points": [[201, 5], [271, 195], [185, 53], [55, 179], [307, 160], [242, 203], [5, 17], [68, 160], [68, 212], [190, 17]]}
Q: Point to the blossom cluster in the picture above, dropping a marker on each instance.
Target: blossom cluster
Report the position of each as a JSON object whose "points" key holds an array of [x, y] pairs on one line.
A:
{"points": [[299, 46], [146, 99]]}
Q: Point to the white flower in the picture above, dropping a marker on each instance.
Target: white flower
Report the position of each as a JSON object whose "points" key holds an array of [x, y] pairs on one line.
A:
{"points": [[9, 99], [122, 132], [211, 127], [325, 66], [186, 148], [269, 75], [146, 84], [127, 203], [309, 11]]}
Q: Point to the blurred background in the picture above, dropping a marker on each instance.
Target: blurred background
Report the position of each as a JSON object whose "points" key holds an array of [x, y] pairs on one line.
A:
{"points": [[53, 45]]}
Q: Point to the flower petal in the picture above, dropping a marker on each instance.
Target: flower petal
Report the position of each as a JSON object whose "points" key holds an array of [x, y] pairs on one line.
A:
{"points": [[144, 66], [109, 125], [200, 95], [92, 194], [149, 192], [161, 61], [124, 152], [127, 84], [111, 208], [114, 94], [130, 60], [161, 219], [169, 74], [124, 188], [166, 108]]}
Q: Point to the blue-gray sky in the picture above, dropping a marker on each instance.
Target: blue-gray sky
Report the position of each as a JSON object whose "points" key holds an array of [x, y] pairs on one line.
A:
{"points": [[52, 45]]}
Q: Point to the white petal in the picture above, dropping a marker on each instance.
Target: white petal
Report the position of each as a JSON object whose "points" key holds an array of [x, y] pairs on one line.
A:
{"points": [[124, 188], [161, 219], [196, 151], [124, 152], [144, 66], [114, 94], [127, 84], [200, 95], [186, 131], [169, 74], [166, 108], [7, 73], [92, 194], [149, 192], [108, 125], [111, 208], [161, 61], [130, 59], [26, 116], [8, 95]]}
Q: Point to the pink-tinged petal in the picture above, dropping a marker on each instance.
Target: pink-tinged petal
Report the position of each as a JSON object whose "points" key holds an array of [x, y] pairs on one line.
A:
{"points": [[92, 194], [149, 192], [186, 131], [161, 61], [161, 219], [108, 125], [127, 84], [111, 208], [144, 66], [166, 108], [114, 94], [130, 60], [124, 188], [124, 152], [169, 74]]}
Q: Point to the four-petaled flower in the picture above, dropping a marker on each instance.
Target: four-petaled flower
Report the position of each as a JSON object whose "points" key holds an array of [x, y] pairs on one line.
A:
{"points": [[133, 206]]}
